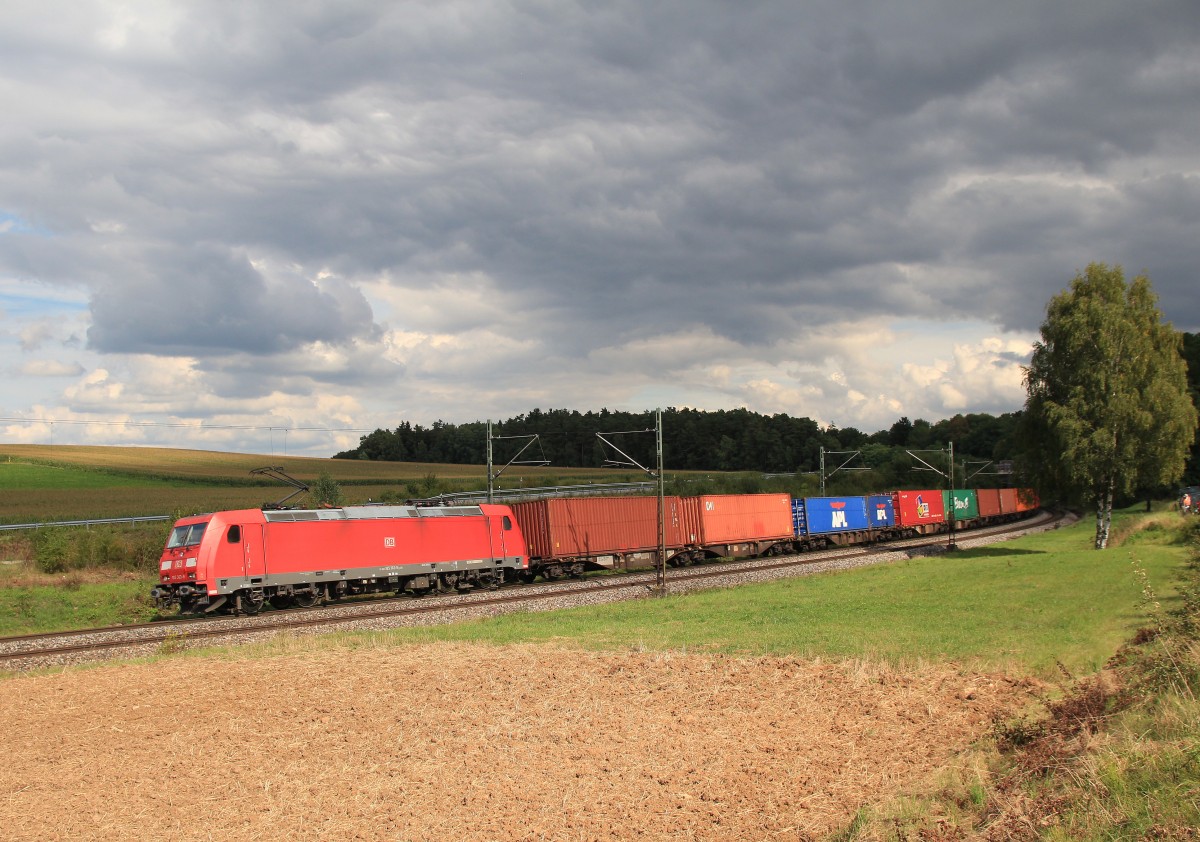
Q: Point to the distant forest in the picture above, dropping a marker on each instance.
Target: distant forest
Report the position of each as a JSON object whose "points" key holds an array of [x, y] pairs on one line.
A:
{"points": [[693, 440], [724, 440]]}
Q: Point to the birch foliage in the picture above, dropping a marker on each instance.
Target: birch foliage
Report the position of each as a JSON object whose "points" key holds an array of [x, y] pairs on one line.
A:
{"points": [[1108, 409]]}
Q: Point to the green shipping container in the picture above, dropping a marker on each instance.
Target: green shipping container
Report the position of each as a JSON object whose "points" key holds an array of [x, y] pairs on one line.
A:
{"points": [[966, 505]]}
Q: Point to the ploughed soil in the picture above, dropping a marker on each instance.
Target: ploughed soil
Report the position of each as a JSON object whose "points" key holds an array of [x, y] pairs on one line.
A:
{"points": [[476, 742]]}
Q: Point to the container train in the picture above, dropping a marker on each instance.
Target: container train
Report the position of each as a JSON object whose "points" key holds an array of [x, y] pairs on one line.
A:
{"points": [[239, 561]]}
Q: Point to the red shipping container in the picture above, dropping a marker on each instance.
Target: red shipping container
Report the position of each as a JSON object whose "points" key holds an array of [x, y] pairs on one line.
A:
{"points": [[989, 502], [1008, 501], [583, 527], [918, 508], [715, 519]]}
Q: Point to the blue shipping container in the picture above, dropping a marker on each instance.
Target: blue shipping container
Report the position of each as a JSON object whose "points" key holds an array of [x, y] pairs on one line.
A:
{"points": [[834, 514], [880, 511]]}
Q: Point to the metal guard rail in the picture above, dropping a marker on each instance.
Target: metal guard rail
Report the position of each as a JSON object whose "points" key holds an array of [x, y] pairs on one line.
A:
{"points": [[89, 522]]}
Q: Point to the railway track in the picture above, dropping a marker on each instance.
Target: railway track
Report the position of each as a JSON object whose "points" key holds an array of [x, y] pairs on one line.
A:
{"points": [[60, 648]]}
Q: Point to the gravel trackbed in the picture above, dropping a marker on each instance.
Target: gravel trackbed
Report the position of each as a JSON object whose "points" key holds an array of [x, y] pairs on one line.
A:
{"points": [[476, 742]]}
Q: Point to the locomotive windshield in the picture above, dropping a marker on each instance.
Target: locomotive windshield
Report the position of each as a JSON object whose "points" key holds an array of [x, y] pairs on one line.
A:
{"points": [[184, 536]]}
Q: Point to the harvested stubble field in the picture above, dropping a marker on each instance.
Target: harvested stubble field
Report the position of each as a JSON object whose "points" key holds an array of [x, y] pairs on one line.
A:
{"points": [[476, 742]]}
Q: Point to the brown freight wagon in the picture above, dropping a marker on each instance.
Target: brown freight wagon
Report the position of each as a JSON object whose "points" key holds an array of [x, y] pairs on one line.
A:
{"points": [[567, 535], [736, 525]]}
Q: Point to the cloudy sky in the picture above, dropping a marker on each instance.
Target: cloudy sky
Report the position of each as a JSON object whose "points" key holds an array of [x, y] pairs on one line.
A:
{"points": [[223, 221]]}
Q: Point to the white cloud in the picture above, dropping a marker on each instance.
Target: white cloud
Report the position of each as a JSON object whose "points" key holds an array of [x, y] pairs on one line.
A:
{"points": [[51, 368]]}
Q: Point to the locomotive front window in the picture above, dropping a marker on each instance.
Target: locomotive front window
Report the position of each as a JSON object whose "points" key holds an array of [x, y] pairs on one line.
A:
{"points": [[186, 536]]}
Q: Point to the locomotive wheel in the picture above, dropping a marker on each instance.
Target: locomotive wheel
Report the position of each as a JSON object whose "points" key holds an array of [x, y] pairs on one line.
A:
{"points": [[280, 600], [306, 599], [250, 603]]}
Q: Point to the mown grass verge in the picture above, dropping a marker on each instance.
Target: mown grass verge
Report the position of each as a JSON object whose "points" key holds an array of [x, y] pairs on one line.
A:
{"points": [[71, 604]]}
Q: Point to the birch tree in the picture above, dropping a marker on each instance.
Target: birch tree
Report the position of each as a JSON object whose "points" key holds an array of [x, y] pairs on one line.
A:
{"points": [[1108, 408]]}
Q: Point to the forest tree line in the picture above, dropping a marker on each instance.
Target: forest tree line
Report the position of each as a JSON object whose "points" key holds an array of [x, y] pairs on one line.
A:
{"points": [[721, 440], [693, 440]]}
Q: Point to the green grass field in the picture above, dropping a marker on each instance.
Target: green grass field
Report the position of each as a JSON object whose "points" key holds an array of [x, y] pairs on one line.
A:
{"points": [[1027, 604]]}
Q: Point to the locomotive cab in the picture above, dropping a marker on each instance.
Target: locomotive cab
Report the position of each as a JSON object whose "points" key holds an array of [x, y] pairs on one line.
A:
{"points": [[180, 570], [197, 547]]}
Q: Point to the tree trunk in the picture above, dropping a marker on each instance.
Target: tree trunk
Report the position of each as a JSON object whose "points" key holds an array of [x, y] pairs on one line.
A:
{"points": [[1104, 504]]}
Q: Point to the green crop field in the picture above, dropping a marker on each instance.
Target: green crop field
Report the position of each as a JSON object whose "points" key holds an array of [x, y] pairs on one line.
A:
{"points": [[205, 466], [27, 476], [41, 483]]}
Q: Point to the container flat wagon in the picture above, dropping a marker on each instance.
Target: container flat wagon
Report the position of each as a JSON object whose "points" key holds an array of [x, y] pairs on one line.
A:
{"points": [[569, 535], [736, 525]]}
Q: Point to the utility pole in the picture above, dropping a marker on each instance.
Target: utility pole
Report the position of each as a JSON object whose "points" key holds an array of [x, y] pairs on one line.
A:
{"points": [[494, 475], [850, 454], [948, 475], [660, 565], [950, 545], [660, 579]]}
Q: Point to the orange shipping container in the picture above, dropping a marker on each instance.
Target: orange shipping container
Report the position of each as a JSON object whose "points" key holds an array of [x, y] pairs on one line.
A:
{"points": [[989, 502], [715, 519]]}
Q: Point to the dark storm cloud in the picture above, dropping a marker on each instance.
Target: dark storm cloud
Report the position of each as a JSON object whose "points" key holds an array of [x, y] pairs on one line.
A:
{"points": [[615, 168], [211, 300]]}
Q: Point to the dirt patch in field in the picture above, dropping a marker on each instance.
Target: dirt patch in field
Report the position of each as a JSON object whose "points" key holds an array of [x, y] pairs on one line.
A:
{"points": [[472, 742]]}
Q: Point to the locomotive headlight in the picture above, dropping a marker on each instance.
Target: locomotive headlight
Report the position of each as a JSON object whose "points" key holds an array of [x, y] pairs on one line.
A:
{"points": [[166, 565]]}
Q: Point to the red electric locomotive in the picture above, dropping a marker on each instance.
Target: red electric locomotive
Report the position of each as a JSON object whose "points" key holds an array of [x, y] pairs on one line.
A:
{"points": [[240, 559]]}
